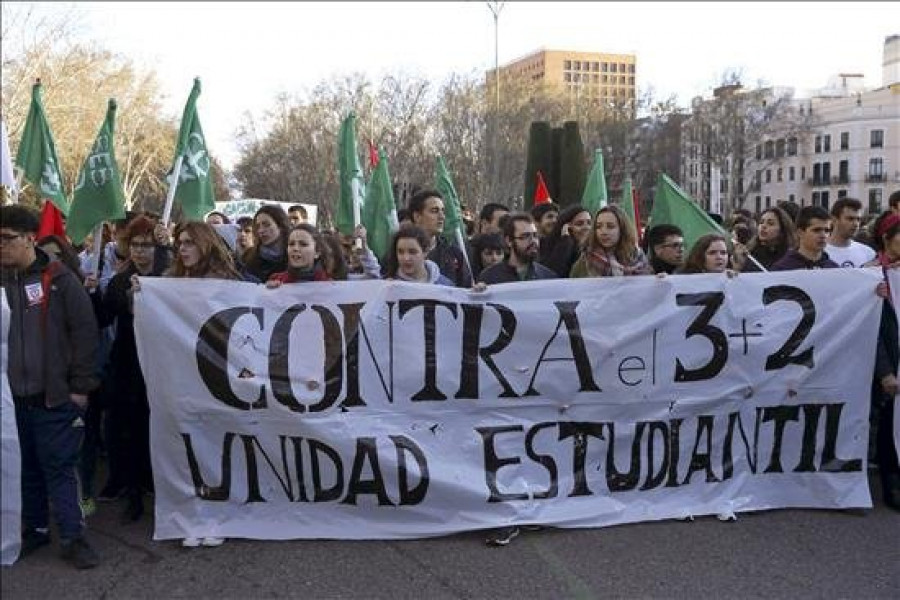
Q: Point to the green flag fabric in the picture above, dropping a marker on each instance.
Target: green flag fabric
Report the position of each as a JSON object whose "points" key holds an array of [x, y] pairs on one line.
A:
{"points": [[353, 189], [594, 196], [379, 213], [194, 186], [671, 205], [37, 154], [98, 193], [627, 203], [453, 221]]}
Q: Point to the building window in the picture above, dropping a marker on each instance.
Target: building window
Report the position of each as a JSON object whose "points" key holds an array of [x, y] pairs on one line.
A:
{"points": [[768, 175], [826, 143], [622, 68], [768, 201], [875, 201], [842, 194], [631, 68], [790, 198], [792, 146], [826, 172], [876, 166], [818, 144], [844, 171], [758, 205], [791, 173], [759, 152], [631, 80], [723, 186], [779, 148], [770, 149], [876, 138], [604, 67], [802, 173], [845, 140], [815, 199], [567, 64], [780, 175], [823, 198], [568, 76], [614, 67], [817, 174]]}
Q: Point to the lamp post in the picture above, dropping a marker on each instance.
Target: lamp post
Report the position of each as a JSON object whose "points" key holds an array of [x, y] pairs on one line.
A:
{"points": [[495, 8]]}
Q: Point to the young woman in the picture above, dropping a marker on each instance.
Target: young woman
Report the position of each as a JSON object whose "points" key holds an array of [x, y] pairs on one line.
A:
{"points": [[612, 250], [775, 235], [709, 255], [303, 256], [487, 250], [886, 234], [201, 253], [269, 251], [560, 249], [406, 260]]}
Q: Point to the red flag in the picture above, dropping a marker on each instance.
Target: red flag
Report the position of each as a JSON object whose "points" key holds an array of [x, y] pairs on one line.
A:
{"points": [[373, 155], [541, 195], [635, 201], [51, 222]]}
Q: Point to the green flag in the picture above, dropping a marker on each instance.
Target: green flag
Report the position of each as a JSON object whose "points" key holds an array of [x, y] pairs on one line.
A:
{"points": [[594, 197], [98, 193], [627, 203], [671, 205], [379, 213], [194, 187], [353, 189], [453, 221], [37, 154]]}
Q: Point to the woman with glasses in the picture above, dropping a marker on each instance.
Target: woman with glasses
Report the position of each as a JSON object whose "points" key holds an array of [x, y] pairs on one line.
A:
{"points": [[130, 411], [775, 235], [269, 251], [560, 249], [201, 253], [406, 259], [612, 250]]}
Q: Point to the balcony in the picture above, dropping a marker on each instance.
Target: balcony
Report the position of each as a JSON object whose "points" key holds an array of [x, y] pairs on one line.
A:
{"points": [[840, 180], [880, 178]]}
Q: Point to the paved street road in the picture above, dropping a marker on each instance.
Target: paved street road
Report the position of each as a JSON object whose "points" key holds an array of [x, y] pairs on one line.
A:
{"points": [[775, 554]]}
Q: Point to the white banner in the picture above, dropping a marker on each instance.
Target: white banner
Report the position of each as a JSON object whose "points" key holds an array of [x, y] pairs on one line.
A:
{"points": [[380, 410], [11, 467]]}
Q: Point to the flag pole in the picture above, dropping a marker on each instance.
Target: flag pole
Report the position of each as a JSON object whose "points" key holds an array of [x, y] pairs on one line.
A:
{"points": [[173, 186], [462, 246]]}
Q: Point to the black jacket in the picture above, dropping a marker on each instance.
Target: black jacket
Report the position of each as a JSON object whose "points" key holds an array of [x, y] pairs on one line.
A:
{"points": [[52, 342]]}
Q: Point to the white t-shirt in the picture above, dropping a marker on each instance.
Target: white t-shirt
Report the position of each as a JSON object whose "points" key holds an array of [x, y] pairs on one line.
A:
{"points": [[854, 255]]}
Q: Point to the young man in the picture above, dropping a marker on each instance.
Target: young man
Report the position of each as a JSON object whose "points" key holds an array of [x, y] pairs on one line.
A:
{"points": [[297, 214], [521, 238], [666, 247], [489, 217], [52, 345], [545, 216], [245, 237], [813, 229], [841, 248], [427, 211]]}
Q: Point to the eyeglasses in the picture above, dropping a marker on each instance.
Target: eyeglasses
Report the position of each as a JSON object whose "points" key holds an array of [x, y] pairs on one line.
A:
{"points": [[9, 237], [526, 237], [142, 245]]}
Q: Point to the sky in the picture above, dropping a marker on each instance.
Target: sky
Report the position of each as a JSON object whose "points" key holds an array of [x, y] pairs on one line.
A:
{"points": [[247, 53]]}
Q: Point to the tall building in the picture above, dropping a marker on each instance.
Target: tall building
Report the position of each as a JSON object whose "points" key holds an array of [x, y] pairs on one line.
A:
{"points": [[599, 76], [843, 140]]}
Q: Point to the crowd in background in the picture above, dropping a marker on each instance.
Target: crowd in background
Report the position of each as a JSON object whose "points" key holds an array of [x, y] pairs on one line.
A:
{"points": [[277, 248]]}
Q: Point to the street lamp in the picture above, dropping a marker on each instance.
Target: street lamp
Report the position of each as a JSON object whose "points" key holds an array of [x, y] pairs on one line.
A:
{"points": [[495, 8]]}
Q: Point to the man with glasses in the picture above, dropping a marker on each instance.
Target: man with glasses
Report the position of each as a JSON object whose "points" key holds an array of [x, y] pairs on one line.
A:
{"points": [[521, 237], [665, 244], [53, 340]]}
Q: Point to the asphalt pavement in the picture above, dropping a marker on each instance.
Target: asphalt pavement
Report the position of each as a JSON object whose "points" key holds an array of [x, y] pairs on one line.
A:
{"points": [[771, 554]]}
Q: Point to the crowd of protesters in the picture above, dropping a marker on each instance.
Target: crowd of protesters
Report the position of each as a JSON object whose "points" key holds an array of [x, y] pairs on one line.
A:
{"points": [[76, 379]]}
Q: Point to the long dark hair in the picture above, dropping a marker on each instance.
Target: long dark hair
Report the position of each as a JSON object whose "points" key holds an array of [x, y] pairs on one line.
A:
{"points": [[392, 265], [787, 233]]}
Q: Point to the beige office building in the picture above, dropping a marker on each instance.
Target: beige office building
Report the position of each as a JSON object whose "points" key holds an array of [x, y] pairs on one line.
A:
{"points": [[599, 76]]}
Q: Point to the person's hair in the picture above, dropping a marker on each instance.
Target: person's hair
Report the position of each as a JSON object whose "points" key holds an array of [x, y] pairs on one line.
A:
{"points": [[244, 222], [742, 233], [744, 212], [658, 233], [403, 214], [808, 214], [509, 223], [885, 231], [565, 217], [19, 218], [539, 210], [894, 199], [790, 207], [716, 217], [417, 202], [838, 207], [331, 255], [787, 236], [138, 226], [414, 232], [300, 209], [696, 259], [225, 218], [67, 254], [277, 214], [488, 210], [627, 244], [215, 259], [481, 242]]}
